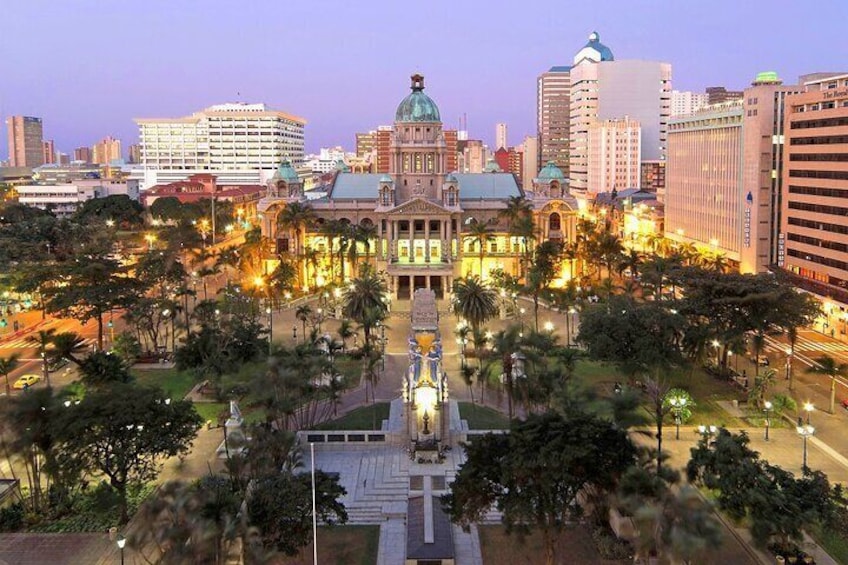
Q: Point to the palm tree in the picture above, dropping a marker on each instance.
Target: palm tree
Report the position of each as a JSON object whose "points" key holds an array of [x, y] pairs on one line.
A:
{"points": [[303, 313], [311, 257], [526, 230], [479, 233], [609, 249], [296, 217], [226, 259], [44, 340], [345, 332], [632, 261], [365, 302], [762, 384], [7, 365], [364, 234], [475, 301], [68, 345], [506, 343], [827, 365]]}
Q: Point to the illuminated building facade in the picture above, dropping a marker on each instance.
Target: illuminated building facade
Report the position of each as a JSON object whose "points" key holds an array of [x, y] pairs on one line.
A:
{"points": [[421, 211]]}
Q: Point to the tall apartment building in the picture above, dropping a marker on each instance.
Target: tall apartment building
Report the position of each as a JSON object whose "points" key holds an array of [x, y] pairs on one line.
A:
{"points": [[242, 143], [703, 192], [134, 153], [653, 178], [25, 141], [553, 107], [814, 234], [48, 150], [366, 143], [82, 154], [719, 95], [603, 89], [685, 102], [530, 162], [106, 150], [500, 137], [614, 154], [516, 163]]}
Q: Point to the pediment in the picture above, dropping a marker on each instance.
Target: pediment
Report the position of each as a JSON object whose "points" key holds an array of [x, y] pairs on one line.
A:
{"points": [[418, 206]]}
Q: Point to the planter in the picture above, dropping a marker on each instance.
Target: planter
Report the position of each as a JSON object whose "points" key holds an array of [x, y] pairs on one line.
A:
{"points": [[780, 560]]}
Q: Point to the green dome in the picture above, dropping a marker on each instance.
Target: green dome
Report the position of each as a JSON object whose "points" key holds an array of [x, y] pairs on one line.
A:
{"points": [[286, 172], [417, 107], [386, 178], [342, 167], [551, 172], [493, 167]]}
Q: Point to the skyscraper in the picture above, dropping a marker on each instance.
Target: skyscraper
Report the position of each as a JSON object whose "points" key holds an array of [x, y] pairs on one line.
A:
{"points": [[106, 150], [82, 154], [530, 164], [48, 151], [684, 102], [134, 153], [243, 143], [813, 242], [500, 136], [25, 141], [605, 89], [614, 150], [553, 118]]}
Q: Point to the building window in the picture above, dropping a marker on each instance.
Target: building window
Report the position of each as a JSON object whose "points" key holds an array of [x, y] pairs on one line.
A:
{"points": [[554, 222]]}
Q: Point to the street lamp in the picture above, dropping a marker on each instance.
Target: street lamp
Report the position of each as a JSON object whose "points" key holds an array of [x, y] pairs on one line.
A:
{"points": [[149, 238], [767, 408], [805, 431], [270, 313], [678, 403], [122, 541], [808, 408], [549, 326], [707, 431], [716, 344]]}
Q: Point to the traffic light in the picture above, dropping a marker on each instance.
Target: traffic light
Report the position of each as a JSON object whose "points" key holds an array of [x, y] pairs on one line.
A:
{"points": [[3, 323]]}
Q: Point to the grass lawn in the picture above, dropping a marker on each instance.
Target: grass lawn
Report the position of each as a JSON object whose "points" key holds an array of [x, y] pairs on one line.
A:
{"points": [[211, 410], [575, 546], [365, 418], [175, 383], [351, 369], [833, 543], [341, 545], [482, 417]]}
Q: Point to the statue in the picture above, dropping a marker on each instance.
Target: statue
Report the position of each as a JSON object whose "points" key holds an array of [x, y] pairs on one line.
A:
{"points": [[235, 413], [416, 364], [433, 358], [426, 420]]}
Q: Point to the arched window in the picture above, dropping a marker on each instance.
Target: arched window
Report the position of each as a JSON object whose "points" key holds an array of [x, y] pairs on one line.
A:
{"points": [[554, 222], [366, 222]]}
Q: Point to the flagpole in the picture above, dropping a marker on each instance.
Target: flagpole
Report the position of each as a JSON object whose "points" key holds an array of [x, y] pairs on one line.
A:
{"points": [[314, 515]]}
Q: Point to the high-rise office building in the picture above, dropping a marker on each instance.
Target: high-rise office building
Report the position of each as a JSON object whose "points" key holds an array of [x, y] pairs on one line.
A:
{"points": [[25, 141], [553, 107], [814, 236], [685, 102], [614, 155], [603, 88], [500, 136], [719, 94], [134, 153], [366, 143], [82, 154], [703, 192], [530, 162], [242, 143], [106, 150], [48, 151]]}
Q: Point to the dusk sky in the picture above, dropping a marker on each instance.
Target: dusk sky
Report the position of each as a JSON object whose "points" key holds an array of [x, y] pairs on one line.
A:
{"points": [[89, 67]]}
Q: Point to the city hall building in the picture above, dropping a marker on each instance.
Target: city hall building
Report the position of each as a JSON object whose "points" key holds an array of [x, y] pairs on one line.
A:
{"points": [[422, 211]]}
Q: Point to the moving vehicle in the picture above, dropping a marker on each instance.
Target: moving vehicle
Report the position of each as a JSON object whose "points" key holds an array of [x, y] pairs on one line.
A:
{"points": [[26, 381], [762, 361]]}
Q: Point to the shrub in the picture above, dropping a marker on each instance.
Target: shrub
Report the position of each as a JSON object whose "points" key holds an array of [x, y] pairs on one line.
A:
{"points": [[609, 546], [12, 518]]}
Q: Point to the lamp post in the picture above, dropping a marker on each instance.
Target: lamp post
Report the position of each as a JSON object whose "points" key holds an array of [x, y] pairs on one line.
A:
{"points": [[678, 403], [707, 431], [805, 431], [270, 313], [767, 408], [122, 541], [150, 239], [808, 408], [717, 345], [294, 333]]}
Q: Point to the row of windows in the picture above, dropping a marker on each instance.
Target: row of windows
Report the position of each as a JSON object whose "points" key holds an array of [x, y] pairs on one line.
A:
{"points": [[834, 228], [836, 246], [819, 209], [817, 191], [836, 175], [823, 123], [819, 140], [818, 157], [836, 264]]}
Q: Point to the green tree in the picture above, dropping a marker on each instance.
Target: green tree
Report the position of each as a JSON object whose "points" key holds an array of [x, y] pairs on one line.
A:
{"points": [[478, 233], [118, 208], [280, 506], [534, 474], [7, 365], [43, 339], [365, 302], [125, 431], [827, 365], [303, 313], [67, 345], [296, 217], [474, 301], [546, 263]]}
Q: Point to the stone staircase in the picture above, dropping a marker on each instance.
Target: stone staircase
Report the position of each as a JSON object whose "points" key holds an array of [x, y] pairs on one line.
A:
{"points": [[381, 490]]}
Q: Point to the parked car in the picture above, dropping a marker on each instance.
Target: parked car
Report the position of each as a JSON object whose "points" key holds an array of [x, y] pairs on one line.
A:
{"points": [[26, 381], [762, 361]]}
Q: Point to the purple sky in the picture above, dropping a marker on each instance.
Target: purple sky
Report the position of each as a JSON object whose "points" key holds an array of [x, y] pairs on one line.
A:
{"points": [[87, 67]]}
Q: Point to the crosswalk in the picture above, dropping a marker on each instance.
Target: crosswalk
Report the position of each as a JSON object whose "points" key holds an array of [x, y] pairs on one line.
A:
{"points": [[24, 343], [823, 347]]}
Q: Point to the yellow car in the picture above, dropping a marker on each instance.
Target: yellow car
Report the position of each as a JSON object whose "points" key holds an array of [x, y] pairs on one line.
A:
{"points": [[26, 381]]}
